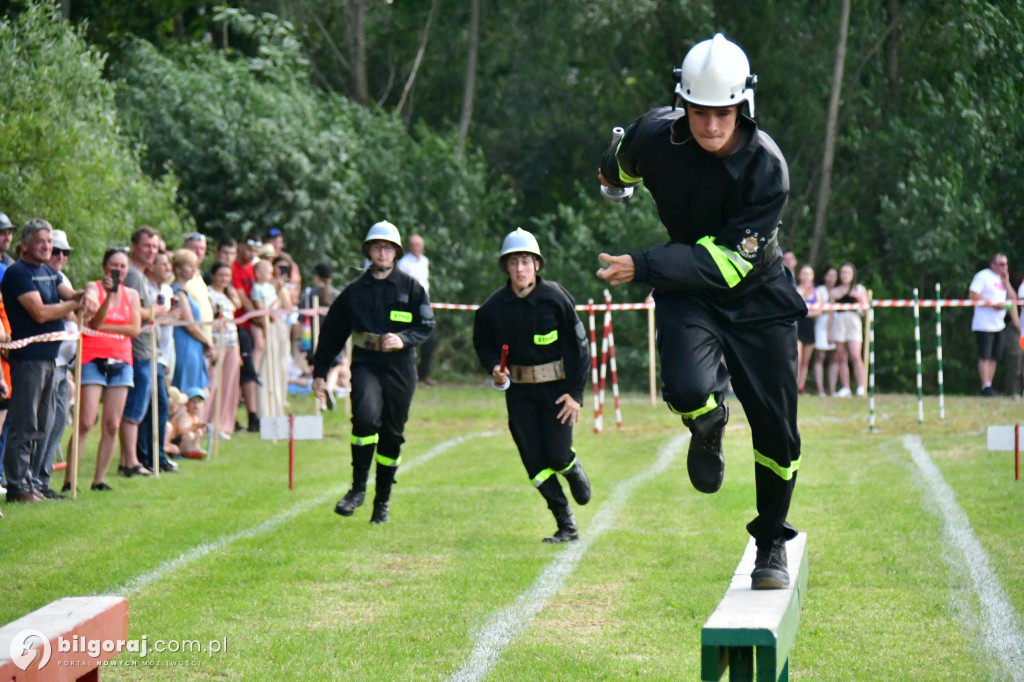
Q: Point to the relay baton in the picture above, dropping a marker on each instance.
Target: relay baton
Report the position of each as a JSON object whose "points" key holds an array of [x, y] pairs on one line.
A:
{"points": [[504, 359]]}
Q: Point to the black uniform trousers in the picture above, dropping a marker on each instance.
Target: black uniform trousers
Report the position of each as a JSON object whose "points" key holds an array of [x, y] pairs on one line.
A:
{"points": [[381, 396], [544, 442], [761, 357]]}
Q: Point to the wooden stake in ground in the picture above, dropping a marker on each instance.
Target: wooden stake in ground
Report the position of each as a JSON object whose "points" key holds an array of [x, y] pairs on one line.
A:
{"points": [[154, 405], [76, 450]]}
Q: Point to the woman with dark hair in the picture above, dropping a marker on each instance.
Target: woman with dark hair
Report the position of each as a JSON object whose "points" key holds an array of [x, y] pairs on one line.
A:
{"points": [[225, 300], [847, 330], [107, 362], [823, 347]]}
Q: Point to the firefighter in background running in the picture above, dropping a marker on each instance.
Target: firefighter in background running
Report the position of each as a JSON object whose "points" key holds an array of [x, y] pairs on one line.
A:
{"points": [[548, 361], [387, 313], [720, 287]]}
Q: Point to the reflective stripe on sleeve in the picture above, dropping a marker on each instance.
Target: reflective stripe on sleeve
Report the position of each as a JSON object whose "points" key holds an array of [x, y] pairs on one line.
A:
{"points": [[731, 264]]}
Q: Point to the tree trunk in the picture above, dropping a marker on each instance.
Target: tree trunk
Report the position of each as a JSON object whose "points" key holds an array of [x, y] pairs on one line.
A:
{"points": [[424, 37], [470, 87], [357, 47], [831, 131], [892, 50], [65, 9]]}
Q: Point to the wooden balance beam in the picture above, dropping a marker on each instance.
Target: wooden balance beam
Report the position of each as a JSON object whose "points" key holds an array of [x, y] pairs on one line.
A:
{"points": [[746, 619]]}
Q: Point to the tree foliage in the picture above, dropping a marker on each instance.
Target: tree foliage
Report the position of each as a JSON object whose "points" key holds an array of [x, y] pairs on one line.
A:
{"points": [[63, 155], [255, 113]]}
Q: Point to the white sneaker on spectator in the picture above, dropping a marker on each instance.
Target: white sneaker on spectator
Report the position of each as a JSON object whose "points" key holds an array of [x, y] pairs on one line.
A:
{"points": [[861, 391], [843, 393]]}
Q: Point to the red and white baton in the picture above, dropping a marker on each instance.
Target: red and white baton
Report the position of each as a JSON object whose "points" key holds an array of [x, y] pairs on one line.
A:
{"points": [[504, 360]]}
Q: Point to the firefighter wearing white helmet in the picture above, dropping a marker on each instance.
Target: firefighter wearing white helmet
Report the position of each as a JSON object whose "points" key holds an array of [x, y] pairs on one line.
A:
{"points": [[520, 241], [383, 231], [387, 314], [720, 288], [545, 371]]}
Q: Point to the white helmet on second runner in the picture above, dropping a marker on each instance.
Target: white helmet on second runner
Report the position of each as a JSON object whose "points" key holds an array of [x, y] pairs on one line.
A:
{"points": [[383, 231], [519, 241], [716, 73]]}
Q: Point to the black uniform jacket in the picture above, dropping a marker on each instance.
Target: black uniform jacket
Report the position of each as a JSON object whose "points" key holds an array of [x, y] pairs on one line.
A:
{"points": [[538, 329], [722, 214], [396, 304]]}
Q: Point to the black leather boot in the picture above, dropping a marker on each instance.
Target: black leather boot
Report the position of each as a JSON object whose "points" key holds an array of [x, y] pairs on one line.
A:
{"points": [[578, 482], [567, 531], [356, 495], [705, 462], [385, 479]]}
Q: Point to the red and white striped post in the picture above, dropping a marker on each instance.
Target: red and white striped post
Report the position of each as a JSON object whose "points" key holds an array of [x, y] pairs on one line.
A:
{"points": [[603, 374], [611, 359]]}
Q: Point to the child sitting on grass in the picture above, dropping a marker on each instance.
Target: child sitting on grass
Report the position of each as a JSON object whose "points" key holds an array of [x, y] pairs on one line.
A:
{"points": [[185, 428]]}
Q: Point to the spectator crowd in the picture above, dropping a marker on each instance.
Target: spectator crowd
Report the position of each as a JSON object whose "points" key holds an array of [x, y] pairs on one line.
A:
{"points": [[205, 341]]}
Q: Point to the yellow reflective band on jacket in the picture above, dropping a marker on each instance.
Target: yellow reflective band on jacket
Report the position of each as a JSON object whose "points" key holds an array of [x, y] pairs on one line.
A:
{"points": [[401, 316], [365, 440], [707, 407], [546, 339], [387, 461], [785, 473], [731, 264], [623, 175], [544, 475]]}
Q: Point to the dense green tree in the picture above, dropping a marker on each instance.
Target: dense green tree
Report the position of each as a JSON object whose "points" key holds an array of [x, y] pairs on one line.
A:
{"points": [[63, 155]]}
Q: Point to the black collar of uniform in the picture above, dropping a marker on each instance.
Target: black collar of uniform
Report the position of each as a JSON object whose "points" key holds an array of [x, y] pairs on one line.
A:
{"points": [[369, 279], [531, 297], [735, 162]]}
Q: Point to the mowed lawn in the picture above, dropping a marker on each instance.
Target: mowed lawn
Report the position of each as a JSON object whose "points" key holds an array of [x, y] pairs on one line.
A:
{"points": [[459, 584]]}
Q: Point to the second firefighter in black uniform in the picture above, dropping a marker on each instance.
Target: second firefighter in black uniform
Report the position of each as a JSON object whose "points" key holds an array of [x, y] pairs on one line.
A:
{"points": [[387, 314], [548, 360]]}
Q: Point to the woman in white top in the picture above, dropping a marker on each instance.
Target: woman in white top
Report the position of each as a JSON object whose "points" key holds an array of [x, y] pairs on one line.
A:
{"points": [[847, 330], [822, 346]]}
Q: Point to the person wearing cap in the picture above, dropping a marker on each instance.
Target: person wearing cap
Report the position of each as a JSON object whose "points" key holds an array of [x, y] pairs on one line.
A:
{"points": [[44, 457], [720, 184], [36, 300], [6, 237], [274, 240], [387, 313], [546, 372]]}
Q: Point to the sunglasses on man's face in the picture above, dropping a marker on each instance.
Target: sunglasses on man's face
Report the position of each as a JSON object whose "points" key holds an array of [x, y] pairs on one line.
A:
{"points": [[61, 252]]}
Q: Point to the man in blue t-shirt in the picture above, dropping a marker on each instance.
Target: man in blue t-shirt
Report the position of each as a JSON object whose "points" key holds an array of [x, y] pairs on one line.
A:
{"points": [[37, 300]]}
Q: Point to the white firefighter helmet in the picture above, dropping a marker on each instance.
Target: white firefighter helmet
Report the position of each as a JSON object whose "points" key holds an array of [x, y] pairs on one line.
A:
{"points": [[519, 241], [5, 222], [383, 231], [716, 73]]}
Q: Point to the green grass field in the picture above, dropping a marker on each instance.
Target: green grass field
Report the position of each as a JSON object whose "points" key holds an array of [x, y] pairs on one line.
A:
{"points": [[459, 586]]}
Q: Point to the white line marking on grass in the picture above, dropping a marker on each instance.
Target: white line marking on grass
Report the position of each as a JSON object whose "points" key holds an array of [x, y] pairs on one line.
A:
{"points": [[140, 581], [507, 624], [1002, 630]]}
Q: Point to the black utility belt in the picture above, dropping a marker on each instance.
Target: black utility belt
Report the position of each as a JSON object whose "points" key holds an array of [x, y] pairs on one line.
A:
{"points": [[537, 374]]}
